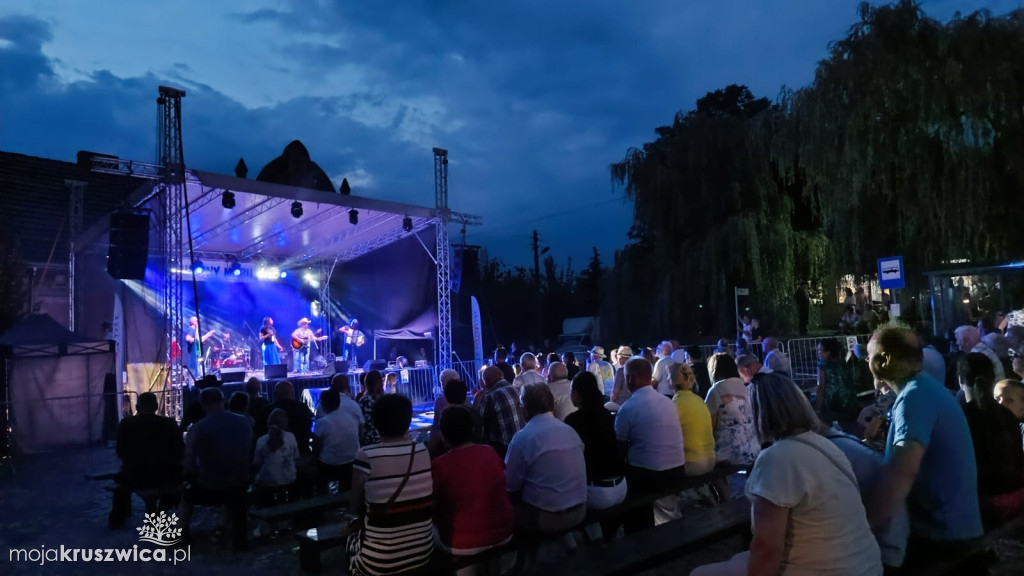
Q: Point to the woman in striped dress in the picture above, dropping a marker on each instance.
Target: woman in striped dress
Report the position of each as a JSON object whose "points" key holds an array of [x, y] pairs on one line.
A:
{"points": [[392, 490]]}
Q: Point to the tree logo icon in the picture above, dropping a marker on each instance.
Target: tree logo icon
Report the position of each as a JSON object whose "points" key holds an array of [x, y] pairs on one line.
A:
{"points": [[159, 529]]}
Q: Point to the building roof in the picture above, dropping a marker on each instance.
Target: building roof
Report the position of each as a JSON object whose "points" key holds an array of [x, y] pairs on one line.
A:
{"points": [[35, 201]]}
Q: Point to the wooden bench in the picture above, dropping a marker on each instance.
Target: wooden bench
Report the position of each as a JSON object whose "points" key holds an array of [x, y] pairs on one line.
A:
{"points": [[654, 546], [310, 507], [315, 540]]}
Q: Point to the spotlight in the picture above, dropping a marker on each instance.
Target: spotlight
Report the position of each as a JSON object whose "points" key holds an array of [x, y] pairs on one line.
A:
{"points": [[407, 224], [235, 269], [353, 216], [297, 209], [197, 267], [284, 274], [227, 199]]}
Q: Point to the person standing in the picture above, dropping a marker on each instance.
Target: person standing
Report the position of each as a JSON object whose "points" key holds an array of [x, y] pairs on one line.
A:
{"points": [[302, 340], [193, 346], [930, 461], [268, 343]]}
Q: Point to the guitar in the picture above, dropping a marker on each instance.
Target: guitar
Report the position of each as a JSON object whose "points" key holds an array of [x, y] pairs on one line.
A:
{"points": [[299, 343]]}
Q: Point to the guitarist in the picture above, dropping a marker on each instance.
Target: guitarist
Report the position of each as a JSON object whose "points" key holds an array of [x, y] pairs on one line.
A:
{"points": [[193, 346], [302, 337]]}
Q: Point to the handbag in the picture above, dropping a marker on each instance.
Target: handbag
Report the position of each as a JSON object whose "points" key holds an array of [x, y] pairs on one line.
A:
{"points": [[357, 524]]}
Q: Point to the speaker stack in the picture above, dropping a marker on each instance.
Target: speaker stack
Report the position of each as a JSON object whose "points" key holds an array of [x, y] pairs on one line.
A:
{"points": [[129, 245]]}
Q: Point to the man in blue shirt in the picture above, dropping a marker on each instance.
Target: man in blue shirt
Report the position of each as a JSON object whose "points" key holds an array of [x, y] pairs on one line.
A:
{"points": [[929, 456]]}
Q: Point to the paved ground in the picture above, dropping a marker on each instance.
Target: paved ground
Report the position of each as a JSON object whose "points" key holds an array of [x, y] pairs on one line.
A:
{"points": [[47, 502]]}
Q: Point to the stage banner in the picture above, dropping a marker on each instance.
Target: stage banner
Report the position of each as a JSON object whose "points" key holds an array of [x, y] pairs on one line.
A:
{"points": [[456, 267], [478, 342]]}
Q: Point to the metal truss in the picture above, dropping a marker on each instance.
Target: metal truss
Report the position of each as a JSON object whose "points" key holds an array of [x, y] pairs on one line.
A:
{"points": [[382, 240], [254, 248], [75, 208], [114, 165], [261, 207], [444, 303], [171, 156], [328, 246]]}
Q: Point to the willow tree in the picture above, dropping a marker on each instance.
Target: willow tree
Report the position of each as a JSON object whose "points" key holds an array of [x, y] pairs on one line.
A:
{"points": [[710, 215], [910, 140]]}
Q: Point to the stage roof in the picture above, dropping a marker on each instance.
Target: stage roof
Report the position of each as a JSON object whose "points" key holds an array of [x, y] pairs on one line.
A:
{"points": [[261, 225]]}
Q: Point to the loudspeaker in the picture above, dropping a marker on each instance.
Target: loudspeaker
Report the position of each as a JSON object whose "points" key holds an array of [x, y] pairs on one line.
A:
{"points": [[232, 374], [341, 366], [375, 365], [275, 371], [129, 245]]}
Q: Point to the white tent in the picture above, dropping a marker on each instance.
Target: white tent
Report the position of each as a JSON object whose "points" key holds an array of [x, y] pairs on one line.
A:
{"points": [[54, 385]]}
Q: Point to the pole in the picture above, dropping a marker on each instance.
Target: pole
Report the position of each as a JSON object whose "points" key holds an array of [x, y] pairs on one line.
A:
{"points": [[535, 244], [736, 302]]}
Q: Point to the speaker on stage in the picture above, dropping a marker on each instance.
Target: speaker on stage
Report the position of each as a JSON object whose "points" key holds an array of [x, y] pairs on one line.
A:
{"points": [[232, 374], [336, 367], [375, 365], [129, 245], [275, 371]]}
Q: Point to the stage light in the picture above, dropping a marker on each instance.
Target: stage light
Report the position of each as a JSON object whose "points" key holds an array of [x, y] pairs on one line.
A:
{"points": [[407, 224], [353, 216], [235, 269], [297, 209], [227, 199], [197, 266], [284, 274]]}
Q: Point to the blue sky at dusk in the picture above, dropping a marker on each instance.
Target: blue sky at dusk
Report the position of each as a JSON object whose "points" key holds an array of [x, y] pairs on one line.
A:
{"points": [[532, 99]]}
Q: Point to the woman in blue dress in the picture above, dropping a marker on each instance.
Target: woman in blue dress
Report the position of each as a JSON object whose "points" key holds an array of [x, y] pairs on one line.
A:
{"points": [[268, 342]]}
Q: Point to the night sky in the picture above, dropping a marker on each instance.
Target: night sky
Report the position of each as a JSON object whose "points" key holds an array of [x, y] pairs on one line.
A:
{"points": [[533, 100]]}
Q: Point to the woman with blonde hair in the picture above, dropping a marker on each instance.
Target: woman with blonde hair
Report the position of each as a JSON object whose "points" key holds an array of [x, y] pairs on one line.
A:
{"points": [[695, 419]]}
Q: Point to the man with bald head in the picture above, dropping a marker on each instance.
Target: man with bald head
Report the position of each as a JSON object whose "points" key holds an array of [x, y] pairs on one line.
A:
{"points": [[929, 456], [300, 419], [650, 440], [774, 358], [501, 410], [561, 389]]}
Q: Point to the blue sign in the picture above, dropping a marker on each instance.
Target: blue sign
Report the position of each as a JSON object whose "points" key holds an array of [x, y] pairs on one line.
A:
{"points": [[890, 273]]}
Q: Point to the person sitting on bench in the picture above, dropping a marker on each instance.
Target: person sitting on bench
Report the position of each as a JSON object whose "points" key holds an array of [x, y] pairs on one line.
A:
{"points": [[472, 512], [808, 517], [336, 440], [650, 440], [217, 464], [150, 448]]}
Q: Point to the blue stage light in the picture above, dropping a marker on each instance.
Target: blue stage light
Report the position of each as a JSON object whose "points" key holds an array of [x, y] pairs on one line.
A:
{"points": [[197, 266], [283, 274]]}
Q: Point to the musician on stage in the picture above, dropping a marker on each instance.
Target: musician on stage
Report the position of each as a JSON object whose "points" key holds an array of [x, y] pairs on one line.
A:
{"points": [[192, 346], [352, 339], [302, 338], [269, 344]]}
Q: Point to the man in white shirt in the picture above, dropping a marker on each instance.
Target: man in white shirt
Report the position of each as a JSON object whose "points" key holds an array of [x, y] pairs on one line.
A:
{"points": [[530, 374], [545, 473], [604, 371], [775, 358], [968, 339], [337, 437], [661, 369], [561, 389], [651, 441]]}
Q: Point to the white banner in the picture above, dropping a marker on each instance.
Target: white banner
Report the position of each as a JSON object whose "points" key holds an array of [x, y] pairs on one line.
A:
{"points": [[478, 342]]}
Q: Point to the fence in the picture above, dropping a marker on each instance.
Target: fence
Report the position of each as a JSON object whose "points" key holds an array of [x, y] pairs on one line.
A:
{"points": [[803, 354]]}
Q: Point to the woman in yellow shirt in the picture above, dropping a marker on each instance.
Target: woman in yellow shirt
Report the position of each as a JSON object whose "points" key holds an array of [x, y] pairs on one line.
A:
{"points": [[695, 420]]}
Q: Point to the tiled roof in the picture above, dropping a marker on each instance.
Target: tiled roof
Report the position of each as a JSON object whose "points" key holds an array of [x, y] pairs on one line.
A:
{"points": [[34, 202]]}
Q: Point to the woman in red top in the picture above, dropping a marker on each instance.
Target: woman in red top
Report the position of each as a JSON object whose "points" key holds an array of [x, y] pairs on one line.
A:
{"points": [[471, 508]]}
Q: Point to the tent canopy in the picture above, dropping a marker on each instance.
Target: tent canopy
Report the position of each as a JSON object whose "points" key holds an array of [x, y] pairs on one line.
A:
{"points": [[41, 335], [262, 223]]}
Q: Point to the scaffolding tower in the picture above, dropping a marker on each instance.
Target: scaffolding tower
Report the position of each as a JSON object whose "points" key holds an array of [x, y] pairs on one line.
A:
{"points": [[170, 155], [444, 302]]}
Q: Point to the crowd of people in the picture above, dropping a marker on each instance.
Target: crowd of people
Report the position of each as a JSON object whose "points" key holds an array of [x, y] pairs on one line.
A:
{"points": [[545, 439]]}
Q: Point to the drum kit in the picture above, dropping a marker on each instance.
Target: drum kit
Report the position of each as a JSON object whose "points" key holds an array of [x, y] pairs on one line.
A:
{"points": [[228, 358]]}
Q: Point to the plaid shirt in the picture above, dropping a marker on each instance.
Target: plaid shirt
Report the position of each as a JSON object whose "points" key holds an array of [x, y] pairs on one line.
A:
{"points": [[502, 413]]}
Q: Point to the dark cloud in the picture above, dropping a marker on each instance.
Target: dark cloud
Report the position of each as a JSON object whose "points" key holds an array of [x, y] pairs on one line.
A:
{"points": [[533, 99]]}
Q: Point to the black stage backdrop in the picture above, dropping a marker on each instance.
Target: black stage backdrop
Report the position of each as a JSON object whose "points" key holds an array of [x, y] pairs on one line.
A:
{"points": [[392, 290]]}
